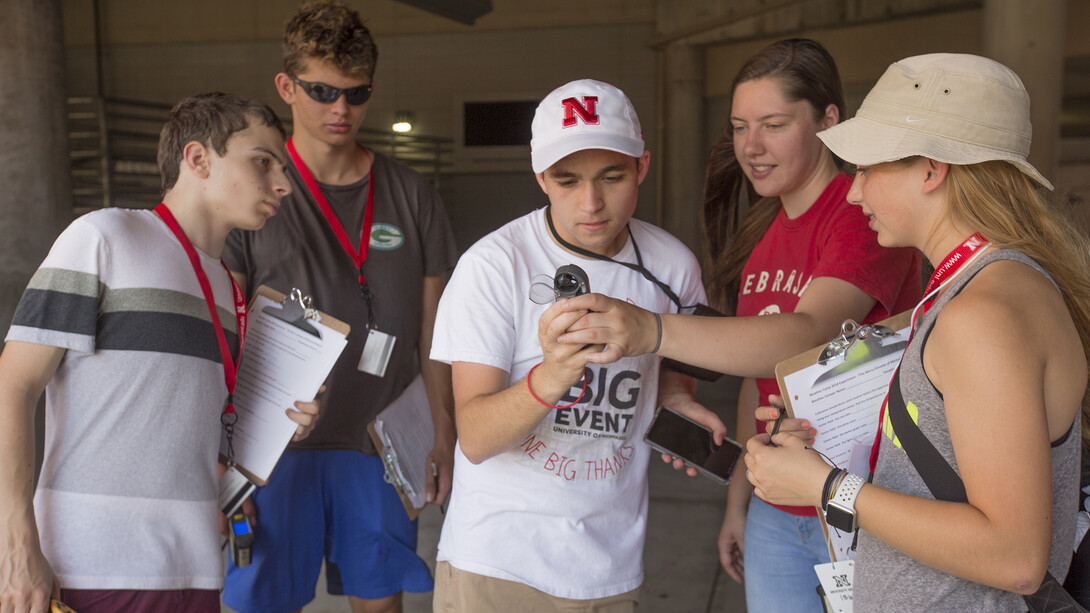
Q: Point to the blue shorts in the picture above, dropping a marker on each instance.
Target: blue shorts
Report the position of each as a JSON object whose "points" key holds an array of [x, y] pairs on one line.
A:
{"points": [[332, 505]]}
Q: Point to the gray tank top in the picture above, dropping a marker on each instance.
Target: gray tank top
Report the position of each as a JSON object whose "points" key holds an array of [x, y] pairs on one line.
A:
{"points": [[888, 580]]}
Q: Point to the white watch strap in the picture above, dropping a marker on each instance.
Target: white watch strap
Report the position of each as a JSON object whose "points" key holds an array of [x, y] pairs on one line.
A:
{"points": [[847, 491]]}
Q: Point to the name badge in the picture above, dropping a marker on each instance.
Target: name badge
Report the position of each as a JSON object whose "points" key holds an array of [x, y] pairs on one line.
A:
{"points": [[836, 579], [234, 488], [376, 352]]}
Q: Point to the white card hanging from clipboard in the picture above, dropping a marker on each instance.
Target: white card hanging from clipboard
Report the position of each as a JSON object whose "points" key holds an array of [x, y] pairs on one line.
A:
{"points": [[289, 350], [839, 388]]}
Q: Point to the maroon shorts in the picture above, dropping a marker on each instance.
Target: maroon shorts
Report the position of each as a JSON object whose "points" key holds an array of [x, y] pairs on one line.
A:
{"points": [[142, 601]]}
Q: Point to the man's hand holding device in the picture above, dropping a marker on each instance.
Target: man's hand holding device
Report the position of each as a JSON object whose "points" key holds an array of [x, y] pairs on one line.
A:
{"points": [[678, 436]]}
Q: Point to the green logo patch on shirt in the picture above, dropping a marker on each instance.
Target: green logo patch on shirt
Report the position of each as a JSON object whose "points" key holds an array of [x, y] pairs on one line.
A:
{"points": [[386, 237]]}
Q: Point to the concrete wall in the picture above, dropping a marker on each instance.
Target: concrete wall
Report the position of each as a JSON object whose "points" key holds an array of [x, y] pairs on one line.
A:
{"points": [[427, 66], [863, 52]]}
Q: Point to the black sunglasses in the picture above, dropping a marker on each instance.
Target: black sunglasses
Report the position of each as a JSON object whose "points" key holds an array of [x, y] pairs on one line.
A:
{"points": [[327, 94]]}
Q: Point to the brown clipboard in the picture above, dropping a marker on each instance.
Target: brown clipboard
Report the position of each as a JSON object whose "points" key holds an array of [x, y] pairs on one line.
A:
{"points": [[412, 511], [280, 298], [807, 359], [327, 320], [810, 357]]}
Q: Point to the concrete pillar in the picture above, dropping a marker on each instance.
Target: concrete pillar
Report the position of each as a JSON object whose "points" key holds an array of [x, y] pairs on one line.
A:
{"points": [[36, 197], [36, 193], [1028, 36], [683, 151]]}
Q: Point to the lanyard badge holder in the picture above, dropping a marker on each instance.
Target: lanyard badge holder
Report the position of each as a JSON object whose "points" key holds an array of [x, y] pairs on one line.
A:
{"points": [[378, 346]]}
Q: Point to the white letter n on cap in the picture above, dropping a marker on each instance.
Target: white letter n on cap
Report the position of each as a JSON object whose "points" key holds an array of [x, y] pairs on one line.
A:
{"points": [[586, 111]]}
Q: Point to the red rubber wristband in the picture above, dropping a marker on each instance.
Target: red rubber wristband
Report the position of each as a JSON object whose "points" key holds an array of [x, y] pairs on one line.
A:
{"points": [[553, 406]]}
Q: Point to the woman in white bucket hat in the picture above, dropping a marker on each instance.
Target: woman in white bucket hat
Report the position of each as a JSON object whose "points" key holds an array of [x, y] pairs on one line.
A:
{"points": [[995, 375]]}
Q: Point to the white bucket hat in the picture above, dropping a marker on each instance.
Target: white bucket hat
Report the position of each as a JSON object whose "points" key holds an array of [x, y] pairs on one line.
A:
{"points": [[950, 107], [584, 114]]}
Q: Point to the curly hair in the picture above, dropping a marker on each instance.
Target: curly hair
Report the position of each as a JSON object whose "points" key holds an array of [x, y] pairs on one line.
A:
{"points": [[332, 32]]}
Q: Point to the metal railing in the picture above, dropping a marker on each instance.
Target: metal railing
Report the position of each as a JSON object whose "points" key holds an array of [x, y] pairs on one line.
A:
{"points": [[113, 144]]}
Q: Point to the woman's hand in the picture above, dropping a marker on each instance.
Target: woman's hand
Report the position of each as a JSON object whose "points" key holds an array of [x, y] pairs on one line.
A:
{"points": [[791, 473], [731, 543], [789, 425], [625, 329]]}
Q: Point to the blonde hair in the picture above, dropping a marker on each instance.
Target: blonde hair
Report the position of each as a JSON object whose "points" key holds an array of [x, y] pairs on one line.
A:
{"points": [[1008, 208]]}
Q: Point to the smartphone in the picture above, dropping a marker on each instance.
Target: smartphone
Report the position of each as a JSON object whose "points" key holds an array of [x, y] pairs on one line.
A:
{"points": [[681, 437]]}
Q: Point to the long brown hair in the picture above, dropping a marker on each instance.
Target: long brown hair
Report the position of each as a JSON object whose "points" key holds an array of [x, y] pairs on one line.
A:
{"points": [[1007, 207], [734, 216]]}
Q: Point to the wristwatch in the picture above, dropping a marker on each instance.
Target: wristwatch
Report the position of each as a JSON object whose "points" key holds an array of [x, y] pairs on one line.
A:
{"points": [[840, 511]]}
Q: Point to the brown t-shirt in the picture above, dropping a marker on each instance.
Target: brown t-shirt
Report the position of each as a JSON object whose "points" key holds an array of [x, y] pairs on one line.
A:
{"points": [[410, 238]]}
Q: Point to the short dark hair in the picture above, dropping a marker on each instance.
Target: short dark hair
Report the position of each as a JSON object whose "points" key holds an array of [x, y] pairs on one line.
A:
{"points": [[210, 119], [332, 32]]}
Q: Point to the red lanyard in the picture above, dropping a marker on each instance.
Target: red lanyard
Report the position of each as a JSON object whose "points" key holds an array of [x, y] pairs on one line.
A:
{"points": [[358, 256], [230, 368], [954, 261]]}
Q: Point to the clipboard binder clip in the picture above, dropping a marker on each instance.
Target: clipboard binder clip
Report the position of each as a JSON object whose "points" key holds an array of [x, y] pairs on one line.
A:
{"points": [[298, 310], [393, 474], [850, 331]]}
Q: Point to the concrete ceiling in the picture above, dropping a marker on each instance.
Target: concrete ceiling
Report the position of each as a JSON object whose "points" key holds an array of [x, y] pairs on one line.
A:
{"points": [[462, 11]]}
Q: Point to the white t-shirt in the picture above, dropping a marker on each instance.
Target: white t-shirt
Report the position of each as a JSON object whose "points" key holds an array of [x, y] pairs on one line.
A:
{"points": [[565, 510], [127, 494]]}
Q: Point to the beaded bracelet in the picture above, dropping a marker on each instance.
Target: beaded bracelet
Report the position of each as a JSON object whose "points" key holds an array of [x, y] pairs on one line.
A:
{"points": [[586, 375]]}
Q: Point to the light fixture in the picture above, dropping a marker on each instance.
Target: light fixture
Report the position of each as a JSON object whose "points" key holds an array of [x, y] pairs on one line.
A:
{"points": [[403, 122]]}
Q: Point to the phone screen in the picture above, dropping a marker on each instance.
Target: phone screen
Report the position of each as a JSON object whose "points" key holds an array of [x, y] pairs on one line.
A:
{"points": [[241, 527], [683, 438]]}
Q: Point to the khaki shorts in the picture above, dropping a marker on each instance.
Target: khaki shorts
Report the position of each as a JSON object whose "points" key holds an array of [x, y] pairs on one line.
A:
{"points": [[458, 591]]}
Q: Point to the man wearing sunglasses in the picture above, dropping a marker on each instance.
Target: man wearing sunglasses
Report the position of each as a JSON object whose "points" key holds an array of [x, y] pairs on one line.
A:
{"points": [[369, 240]]}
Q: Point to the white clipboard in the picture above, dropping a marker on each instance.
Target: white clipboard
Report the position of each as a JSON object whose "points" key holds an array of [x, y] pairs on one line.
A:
{"points": [[289, 350], [404, 435]]}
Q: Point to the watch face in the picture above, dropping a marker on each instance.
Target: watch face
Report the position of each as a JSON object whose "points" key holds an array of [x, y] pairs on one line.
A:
{"points": [[839, 518]]}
